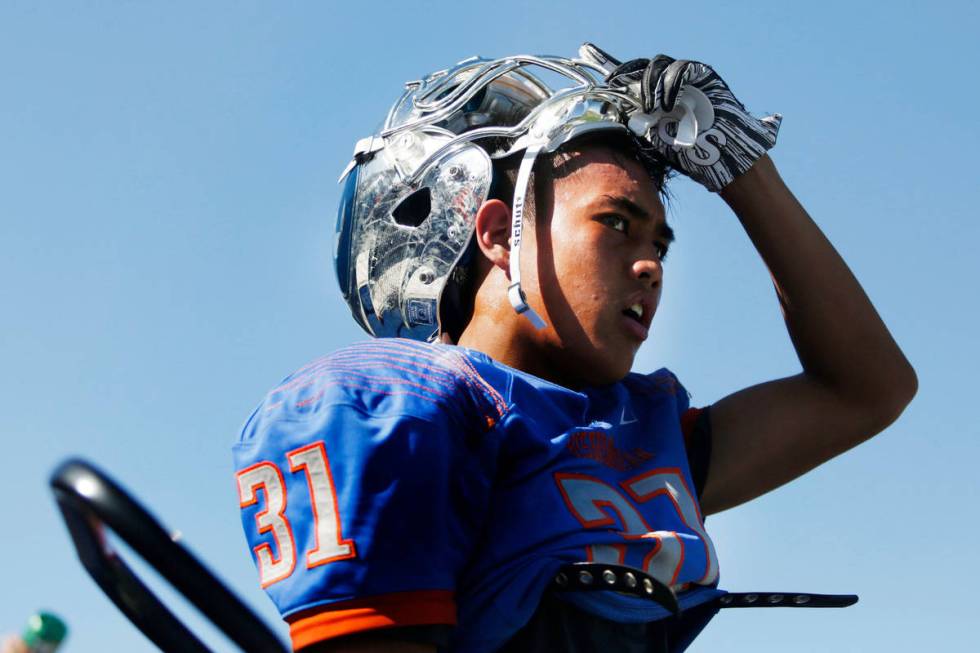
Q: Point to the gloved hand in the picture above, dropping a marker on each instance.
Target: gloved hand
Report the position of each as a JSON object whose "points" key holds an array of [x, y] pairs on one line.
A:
{"points": [[733, 142]]}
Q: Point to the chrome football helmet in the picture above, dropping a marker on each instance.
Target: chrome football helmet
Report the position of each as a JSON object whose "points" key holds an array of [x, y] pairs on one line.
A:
{"points": [[412, 191]]}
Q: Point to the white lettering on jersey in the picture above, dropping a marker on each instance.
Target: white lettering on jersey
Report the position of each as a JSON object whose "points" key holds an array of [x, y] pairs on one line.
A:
{"points": [[268, 478], [610, 554], [665, 561], [330, 545], [670, 483], [596, 504]]}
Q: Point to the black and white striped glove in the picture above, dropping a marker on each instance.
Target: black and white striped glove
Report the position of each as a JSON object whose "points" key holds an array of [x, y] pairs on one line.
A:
{"points": [[724, 150]]}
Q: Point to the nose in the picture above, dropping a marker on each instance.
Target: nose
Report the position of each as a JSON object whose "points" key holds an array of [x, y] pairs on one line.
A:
{"points": [[649, 269]]}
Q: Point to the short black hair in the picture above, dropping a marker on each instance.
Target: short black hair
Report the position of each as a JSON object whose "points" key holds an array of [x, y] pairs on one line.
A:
{"points": [[557, 164]]}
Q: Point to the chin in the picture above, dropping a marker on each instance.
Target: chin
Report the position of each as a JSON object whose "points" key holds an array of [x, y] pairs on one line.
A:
{"points": [[595, 362]]}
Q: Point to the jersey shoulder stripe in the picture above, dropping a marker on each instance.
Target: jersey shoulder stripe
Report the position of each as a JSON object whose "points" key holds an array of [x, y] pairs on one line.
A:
{"points": [[388, 377]]}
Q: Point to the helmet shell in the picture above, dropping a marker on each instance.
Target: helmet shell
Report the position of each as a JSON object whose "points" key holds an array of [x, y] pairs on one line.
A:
{"points": [[401, 230], [411, 194]]}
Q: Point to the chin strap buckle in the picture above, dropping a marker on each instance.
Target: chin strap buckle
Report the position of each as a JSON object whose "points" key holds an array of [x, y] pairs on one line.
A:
{"points": [[519, 302]]}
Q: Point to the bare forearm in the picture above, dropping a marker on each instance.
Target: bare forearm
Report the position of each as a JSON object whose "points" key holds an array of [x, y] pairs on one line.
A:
{"points": [[839, 337], [855, 379]]}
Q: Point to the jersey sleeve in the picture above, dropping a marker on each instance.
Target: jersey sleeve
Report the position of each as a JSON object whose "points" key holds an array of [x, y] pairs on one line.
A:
{"points": [[696, 426], [362, 481], [695, 423]]}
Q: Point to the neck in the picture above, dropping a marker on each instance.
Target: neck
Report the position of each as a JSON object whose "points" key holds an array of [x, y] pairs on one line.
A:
{"points": [[499, 332], [496, 337]]}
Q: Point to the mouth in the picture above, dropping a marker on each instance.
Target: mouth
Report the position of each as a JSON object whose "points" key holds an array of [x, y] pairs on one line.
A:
{"points": [[638, 317], [641, 312]]}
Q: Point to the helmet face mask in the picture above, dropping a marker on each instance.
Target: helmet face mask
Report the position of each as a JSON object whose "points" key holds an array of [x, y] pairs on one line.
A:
{"points": [[412, 192]]}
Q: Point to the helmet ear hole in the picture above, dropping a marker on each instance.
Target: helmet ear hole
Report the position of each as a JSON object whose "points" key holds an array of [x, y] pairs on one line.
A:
{"points": [[414, 209]]}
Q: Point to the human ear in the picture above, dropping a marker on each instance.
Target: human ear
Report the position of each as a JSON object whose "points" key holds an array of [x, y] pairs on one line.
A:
{"points": [[493, 233]]}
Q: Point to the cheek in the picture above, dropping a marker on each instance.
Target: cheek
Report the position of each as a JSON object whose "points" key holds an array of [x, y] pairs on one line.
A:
{"points": [[576, 276], [586, 283], [570, 259]]}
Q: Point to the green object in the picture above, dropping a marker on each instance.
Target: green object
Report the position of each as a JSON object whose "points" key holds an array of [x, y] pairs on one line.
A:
{"points": [[44, 632]]}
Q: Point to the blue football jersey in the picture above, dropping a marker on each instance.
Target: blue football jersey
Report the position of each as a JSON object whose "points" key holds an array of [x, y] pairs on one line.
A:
{"points": [[395, 483]]}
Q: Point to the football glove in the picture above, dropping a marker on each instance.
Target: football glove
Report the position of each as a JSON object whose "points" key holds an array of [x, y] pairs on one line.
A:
{"points": [[693, 120]]}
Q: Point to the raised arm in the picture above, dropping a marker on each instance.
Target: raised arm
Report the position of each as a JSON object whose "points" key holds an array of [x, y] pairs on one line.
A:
{"points": [[855, 380]]}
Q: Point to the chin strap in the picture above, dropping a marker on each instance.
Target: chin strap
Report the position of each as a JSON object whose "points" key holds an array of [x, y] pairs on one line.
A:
{"points": [[514, 293]]}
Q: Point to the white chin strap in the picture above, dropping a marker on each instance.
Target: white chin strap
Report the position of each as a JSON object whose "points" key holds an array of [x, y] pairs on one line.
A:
{"points": [[514, 292]]}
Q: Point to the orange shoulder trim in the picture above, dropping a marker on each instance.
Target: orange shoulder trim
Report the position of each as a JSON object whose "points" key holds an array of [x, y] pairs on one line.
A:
{"points": [[383, 611]]}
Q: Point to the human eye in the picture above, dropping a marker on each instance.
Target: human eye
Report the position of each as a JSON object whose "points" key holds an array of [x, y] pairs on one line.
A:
{"points": [[615, 221], [662, 249]]}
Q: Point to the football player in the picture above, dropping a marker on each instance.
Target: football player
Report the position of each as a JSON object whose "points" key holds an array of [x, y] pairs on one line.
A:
{"points": [[503, 237]]}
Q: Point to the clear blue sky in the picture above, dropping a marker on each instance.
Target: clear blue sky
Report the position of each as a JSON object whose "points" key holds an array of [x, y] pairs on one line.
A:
{"points": [[167, 198]]}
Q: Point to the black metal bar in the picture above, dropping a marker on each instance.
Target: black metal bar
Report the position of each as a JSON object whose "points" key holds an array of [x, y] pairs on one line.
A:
{"points": [[89, 501], [785, 600]]}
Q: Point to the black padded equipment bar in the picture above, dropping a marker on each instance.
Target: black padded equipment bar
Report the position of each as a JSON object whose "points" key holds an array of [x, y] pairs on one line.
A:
{"points": [[90, 501]]}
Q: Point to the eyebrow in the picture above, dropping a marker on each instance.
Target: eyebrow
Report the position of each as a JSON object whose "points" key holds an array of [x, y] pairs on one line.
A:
{"points": [[636, 211]]}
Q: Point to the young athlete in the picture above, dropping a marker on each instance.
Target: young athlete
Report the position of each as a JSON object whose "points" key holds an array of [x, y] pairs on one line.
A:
{"points": [[411, 494]]}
